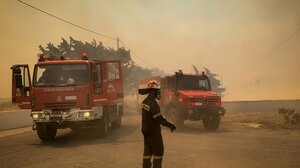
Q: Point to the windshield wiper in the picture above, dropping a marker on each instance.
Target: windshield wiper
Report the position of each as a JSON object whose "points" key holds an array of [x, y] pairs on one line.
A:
{"points": [[198, 88], [73, 84]]}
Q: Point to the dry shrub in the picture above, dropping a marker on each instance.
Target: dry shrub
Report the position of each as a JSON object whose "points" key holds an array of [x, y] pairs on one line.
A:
{"points": [[268, 119]]}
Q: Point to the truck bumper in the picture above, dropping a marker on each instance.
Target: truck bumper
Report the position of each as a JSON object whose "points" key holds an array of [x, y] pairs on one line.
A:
{"points": [[201, 112], [66, 115], [67, 124]]}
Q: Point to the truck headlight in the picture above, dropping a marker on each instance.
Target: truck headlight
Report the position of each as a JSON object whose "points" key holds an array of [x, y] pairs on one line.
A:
{"points": [[35, 116], [86, 114]]}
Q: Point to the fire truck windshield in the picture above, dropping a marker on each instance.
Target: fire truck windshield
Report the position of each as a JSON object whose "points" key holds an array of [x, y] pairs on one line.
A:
{"points": [[193, 83], [60, 75]]}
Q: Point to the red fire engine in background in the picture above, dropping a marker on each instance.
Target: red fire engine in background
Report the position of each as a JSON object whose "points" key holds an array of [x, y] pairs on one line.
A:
{"points": [[188, 97], [70, 94]]}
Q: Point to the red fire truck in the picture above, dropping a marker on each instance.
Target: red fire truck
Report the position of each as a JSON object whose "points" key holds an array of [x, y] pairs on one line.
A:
{"points": [[188, 97], [70, 94]]}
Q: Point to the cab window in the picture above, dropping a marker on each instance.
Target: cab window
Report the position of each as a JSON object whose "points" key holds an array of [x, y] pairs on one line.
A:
{"points": [[113, 71]]}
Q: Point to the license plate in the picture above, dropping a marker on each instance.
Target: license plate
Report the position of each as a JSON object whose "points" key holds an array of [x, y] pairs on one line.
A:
{"points": [[198, 103]]}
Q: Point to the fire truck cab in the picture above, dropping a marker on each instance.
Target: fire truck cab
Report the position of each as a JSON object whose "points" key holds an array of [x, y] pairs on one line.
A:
{"points": [[70, 94]]}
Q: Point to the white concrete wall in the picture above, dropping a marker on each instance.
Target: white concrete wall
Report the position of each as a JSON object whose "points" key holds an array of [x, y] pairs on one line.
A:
{"points": [[15, 119]]}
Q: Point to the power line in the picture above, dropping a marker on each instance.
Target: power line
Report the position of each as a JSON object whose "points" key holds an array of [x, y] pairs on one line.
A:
{"points": [[83, 28], [66, 21], [135, 54], [278, 45], [289, 36]]}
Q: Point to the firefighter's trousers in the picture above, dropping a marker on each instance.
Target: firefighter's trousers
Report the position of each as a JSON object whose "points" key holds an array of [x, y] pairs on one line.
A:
{"points": [[153, 148]]}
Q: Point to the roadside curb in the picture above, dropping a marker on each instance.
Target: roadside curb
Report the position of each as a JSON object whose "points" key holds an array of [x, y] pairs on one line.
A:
{"points": [[15, 131], [15, 119], [12, 111]]}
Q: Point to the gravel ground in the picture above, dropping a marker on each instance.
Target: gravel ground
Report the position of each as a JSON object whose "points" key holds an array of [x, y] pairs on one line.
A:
{"points": [[233, 145], [270, 120]]}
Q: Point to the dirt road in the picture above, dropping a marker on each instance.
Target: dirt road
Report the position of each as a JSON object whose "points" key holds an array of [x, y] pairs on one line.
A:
{"points": [[233, 145]]}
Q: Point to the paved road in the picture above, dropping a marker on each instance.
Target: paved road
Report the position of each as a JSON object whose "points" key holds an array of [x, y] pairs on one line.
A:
{"points": [[233, 145]]}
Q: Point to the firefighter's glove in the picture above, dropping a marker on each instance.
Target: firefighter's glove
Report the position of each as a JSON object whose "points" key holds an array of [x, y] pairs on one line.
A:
{"points": [[172, 127]]}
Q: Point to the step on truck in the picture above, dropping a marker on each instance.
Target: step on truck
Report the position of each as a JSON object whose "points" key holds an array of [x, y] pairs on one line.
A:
{"points": [[72, 94], [187, 97]]}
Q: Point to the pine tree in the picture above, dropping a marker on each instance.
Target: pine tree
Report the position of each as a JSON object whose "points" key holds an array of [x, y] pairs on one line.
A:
{"points": [[73, 49]]}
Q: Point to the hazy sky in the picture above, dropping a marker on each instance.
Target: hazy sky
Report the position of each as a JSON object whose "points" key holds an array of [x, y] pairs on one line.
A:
{"points": [[229, 37]]}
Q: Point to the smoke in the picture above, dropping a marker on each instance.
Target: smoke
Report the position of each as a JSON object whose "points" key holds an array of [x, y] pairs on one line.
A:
{"points": [[230, 37]]}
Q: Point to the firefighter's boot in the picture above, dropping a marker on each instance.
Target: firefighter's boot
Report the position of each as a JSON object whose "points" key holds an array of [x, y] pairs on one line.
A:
{"points": [[147, 162], [157, 162]]}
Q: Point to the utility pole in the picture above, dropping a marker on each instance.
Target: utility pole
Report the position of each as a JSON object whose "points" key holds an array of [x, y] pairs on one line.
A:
{"points": [[118, 41]]}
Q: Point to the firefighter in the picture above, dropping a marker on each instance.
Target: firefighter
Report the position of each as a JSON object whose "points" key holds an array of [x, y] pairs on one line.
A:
{"points": [[151, 121]]}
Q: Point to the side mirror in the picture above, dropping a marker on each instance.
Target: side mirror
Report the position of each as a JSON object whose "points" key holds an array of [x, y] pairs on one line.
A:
{"points": [[18, 81], [95, 75], [97, 81]]}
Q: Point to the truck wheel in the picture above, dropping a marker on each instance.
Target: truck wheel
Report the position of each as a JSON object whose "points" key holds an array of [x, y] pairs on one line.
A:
{"points": [[117, 123], [75, 128], [46, 132], [211, 122], [175, 117], [102, 128]]}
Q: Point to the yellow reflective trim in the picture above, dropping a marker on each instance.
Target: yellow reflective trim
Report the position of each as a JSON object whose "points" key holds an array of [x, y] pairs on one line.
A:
{"points": [[156, 115], [145, 107], [157, 157], [147, 157]]}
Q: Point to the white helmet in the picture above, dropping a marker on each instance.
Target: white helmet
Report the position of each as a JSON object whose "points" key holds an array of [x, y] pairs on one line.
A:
{"points": [[153, 84]]}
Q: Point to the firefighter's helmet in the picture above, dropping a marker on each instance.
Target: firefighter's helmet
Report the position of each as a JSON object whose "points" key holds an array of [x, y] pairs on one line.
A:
{"points": [[153, 84]]}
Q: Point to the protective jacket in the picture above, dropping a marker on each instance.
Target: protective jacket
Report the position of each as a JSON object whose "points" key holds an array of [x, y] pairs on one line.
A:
{"points": [[153, 142], [152, 117]]}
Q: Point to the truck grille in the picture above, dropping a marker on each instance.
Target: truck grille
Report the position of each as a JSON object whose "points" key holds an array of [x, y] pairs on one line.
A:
{"points": [[60, 105], [206, 101]]}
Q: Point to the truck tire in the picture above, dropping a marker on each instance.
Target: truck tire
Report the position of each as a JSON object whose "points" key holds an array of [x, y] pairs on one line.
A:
{"points": [[211, 123], [46, 132], [102, 128], [175, 117], [75, 128], [117, 123]]}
